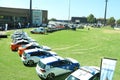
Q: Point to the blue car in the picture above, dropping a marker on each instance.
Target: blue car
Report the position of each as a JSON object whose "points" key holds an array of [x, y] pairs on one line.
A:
{"points": [[50, 67]]}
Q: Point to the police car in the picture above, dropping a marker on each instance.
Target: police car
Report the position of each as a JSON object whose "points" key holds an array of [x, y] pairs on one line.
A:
{"points": [[50, 67], [38, 30], [85, 73], [32, 56]]}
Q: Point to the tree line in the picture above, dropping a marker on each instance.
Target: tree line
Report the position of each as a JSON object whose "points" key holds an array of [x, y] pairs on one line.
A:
{"points": [[91, 19], [110, 21]]}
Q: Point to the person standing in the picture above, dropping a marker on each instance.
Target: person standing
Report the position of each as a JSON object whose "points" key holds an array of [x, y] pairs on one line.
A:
{"points": [[19, 25], [28, 25], [6, 27]]}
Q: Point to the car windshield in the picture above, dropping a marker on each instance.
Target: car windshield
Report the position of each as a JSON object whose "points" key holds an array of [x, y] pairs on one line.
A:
{"points": [[23, 46], [42, 65], [72, 78]]}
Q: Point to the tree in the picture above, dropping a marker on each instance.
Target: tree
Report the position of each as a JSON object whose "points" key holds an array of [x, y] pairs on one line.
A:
{"points": [[111, 21], [118, 22], [91, 18], [52, 19]]}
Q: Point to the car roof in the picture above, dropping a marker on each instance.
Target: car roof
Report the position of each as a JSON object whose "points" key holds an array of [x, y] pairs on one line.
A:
{"points": [[30, 51], [86, 72], [51, 59], [32, 44]]}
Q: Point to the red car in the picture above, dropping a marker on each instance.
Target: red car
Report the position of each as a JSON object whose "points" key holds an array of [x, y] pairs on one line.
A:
{"points": [[28, 46], [22, 48], [15, 45]]}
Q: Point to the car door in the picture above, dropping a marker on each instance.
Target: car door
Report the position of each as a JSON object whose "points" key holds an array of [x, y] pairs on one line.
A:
{"points": [[55, 68], [66, 66], [35, 56], [60, 67]]}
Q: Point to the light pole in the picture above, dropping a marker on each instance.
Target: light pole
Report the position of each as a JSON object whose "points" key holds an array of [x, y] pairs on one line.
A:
{"points": [[30, 13], [105, 12], [69, 6]]}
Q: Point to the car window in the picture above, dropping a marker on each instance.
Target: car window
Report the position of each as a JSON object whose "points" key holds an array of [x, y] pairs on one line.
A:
{"points": [[22, 43], [42, 65], [41, 53], [37, 46], [55, 64], [47, 67], [64, 62], [35, 54], [46, 53], [96, 77], [72, 78], [30, 47], [23, 46]]}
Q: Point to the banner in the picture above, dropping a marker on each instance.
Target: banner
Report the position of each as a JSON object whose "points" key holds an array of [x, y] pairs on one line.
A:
{"points": [[107, 68]]}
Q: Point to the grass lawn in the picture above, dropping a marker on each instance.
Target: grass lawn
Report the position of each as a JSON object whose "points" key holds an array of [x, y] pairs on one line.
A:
{"points": [[86, 46]]}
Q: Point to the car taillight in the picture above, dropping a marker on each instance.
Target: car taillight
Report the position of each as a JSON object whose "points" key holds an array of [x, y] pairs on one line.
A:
{"points": [[42, 70]]}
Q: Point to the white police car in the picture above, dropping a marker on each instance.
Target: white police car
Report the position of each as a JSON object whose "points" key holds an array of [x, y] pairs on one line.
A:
{"points": [[50, 67], [32, 56], [85, 73], [38, 30]]}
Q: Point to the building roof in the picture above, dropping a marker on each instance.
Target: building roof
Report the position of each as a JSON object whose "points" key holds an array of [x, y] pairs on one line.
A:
{"points": [[5, 11]]}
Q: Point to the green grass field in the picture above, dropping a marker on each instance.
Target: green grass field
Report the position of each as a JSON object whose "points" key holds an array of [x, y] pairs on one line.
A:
{"points": [[86, 46]]}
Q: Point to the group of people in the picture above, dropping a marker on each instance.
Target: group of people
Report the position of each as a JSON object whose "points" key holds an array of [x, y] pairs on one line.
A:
{"points": [[19, 26]]}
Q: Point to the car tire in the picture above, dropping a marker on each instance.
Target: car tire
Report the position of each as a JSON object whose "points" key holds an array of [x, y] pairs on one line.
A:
{"points": [[30, 63], [50, 76]]}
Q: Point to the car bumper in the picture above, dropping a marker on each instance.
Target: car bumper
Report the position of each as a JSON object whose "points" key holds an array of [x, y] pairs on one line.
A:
{"points": [[40, 74], [24, 61]]}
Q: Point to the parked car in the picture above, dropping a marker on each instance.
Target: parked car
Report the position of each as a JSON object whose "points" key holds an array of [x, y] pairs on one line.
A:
{"points": [[21, 35], [38, 30], [15, 45], [85, 73], [32, 56], [31, 46], [18, 33], [50, 67]]}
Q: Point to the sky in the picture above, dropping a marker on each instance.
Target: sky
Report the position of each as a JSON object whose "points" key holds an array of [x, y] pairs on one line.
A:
{"points": [[59, 9]]}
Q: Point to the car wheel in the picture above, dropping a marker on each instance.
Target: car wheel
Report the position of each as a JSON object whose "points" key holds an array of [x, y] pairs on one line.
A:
{"points": [[30, 62], [50, 76]]}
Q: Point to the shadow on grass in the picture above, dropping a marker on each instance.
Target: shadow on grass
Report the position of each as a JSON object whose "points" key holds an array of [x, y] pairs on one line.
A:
{"points": [[34, 65], [60, 77]]}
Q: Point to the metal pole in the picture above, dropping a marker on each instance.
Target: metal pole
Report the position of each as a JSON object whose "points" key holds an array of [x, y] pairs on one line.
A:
{"points": [[69, 11], [105, 12], [30, 17]]}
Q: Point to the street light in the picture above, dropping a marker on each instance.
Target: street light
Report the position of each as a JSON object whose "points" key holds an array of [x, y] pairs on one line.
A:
{"points": [[105, 12], [69, 10], [30, 13]]}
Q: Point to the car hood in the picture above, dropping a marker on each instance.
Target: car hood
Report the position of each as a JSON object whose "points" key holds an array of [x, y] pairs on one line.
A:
{"points": [[85, 72]]}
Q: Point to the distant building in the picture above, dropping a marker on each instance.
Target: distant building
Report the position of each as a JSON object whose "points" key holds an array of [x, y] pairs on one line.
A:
{"points": [[79, 20], [12, 16]]}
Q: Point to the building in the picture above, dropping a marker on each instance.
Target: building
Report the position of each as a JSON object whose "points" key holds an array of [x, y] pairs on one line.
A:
{"points": [[79, 20], [13, 16]]}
